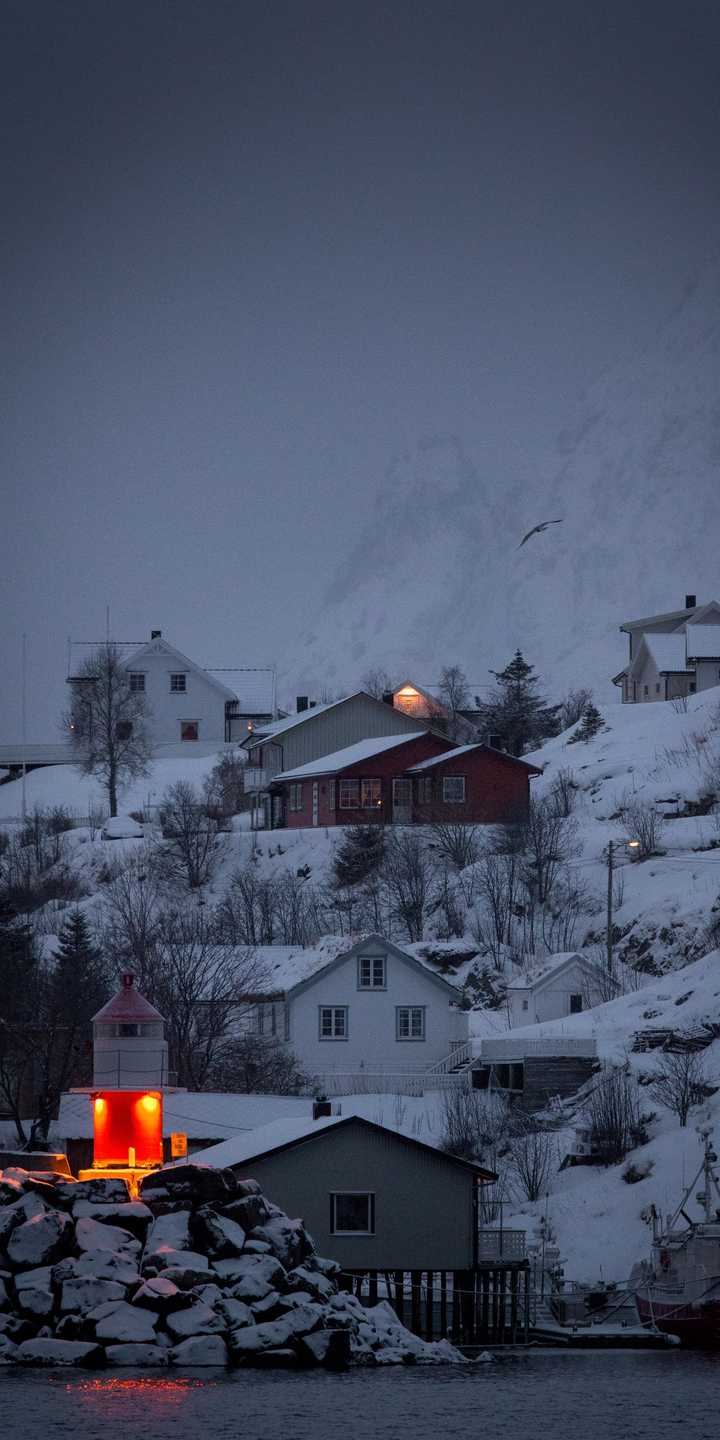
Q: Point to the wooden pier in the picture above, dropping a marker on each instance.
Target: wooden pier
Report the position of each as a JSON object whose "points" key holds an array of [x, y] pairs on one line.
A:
{"points": [[486, 1305]]}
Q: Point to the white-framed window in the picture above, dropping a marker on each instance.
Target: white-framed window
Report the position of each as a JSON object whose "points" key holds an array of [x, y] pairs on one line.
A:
{"points": [[349, 795], [372, 972], [352, 1212], [333, 1022], [370, 794], [296, 796], [137, 682], [410, 1022], [178, 683], [454, 789], [189, 729]]}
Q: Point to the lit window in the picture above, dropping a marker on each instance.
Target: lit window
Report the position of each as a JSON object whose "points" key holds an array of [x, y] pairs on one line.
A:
{"points": [[370, 794], [189, 729], [349, 794], [352, 1213], [178, 684], [454, 789], [333, 1022], [137, 682], [371, 972], [296, 796], [410, 1022]]}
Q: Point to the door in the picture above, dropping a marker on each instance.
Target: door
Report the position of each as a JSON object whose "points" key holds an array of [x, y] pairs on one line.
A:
{"points": [[401, 800], [315, 801]]}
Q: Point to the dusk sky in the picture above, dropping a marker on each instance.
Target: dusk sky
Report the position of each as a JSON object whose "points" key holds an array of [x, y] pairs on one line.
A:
{"points": [[252, 253]]}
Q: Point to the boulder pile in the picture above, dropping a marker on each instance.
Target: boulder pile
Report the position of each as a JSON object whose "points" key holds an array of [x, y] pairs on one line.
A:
{"points": [[201, 1270]]}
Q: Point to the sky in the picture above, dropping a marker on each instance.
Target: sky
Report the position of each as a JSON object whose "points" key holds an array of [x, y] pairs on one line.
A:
{"points": [[251, 254]]}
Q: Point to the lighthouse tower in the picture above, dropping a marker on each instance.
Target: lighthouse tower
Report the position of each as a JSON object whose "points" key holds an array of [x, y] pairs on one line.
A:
{"points": [[130, 1060]]}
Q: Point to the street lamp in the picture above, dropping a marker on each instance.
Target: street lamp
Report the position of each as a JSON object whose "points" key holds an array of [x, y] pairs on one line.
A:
{"points": [[633, 846]]}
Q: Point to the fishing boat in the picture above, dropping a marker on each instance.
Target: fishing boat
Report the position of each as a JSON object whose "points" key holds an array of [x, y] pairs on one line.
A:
{"points": [[677, 1291]]}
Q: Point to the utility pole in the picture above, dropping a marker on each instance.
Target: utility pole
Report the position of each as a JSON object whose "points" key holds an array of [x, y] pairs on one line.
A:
{"points": [[608, 921], [24, 726]]}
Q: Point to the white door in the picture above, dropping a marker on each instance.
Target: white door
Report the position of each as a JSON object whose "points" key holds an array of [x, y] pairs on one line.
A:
{"points": [[315, 801], [401, 800]]}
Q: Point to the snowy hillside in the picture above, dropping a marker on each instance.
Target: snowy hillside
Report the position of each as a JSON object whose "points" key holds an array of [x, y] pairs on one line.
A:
{"points": [[437, 576]]}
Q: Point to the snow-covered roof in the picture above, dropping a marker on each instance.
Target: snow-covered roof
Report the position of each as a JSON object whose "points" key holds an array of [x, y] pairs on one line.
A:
{"points": [[547, 968], [349, 755], [282, 966], [465, 750], [278, 727], [253, 688], [703, 642], [201, 1116], [128, 1005], [668, 651]]}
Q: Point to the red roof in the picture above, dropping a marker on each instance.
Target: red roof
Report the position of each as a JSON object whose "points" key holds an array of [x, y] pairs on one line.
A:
{"points": [[128, 1005]]}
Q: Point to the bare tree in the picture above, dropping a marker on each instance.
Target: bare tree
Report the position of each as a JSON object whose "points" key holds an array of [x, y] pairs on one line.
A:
{"points": [[376, 682], [133, 907], [499, 887], [643, 823], [473, 1122], [614, 1113], [680, 1082], [191, 832], [225, 787], [547, 840], [407, 874], [573, 706], [254, 1064], [454, 841], [563, 792], [534, 1161], [455, 695], [107, 723]]}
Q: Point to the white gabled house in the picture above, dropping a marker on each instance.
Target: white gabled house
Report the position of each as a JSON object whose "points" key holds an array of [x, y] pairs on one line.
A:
{"points": [[370, 1009], [564, 984]]}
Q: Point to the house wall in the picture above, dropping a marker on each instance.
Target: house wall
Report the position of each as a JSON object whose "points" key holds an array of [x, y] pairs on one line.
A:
{"points": [[358, 718], [371, 1042], [381, 767], [201, 700], [707, 674], [423, 1202], [552, 1000], [496, 790]]}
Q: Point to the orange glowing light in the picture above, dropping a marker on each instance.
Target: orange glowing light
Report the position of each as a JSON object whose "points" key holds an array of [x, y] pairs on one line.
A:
{"points": [[99, 1105], [124, 1120], [150, 1103]]}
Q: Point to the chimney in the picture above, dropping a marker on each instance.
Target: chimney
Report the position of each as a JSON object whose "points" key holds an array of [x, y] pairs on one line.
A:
{"points": [[301, 703], [690, 602], [321, 1108], [156, 634], [388, 698]]}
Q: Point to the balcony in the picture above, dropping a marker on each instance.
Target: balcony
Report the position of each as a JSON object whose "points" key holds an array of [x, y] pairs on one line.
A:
{"points": [[501, 1245], [255, 779]]}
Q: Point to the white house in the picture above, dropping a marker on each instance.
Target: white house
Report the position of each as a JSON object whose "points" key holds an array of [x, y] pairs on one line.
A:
{"points": [[359, 1011], [672, 655], [562, 985]]}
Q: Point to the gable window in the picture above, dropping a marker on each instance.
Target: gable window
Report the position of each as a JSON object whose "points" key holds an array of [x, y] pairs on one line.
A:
{"points": [[410, 1022], [137, 682], [349, 794], [371, 972], [296, 796], [333, 1022], [352, 1212], [178, 684], [370, 794], [576, 1004], [189, 729], [454, 789]]}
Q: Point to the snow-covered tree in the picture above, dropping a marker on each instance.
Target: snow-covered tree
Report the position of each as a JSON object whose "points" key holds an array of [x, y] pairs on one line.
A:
{"points": [[516, 711]]}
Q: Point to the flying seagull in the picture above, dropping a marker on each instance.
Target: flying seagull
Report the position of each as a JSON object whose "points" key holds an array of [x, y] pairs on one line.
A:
{"points": [[537, 530]]}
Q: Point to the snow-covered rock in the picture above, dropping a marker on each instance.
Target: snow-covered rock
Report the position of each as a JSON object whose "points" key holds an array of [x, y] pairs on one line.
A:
{"points": [[159, 1294], [46, 1351], [216, 1234], [200, 1350], [122, 827], [94, 1235], [41, 1240], [118, 1322], [86, 1292], [139, 1356], [195, 1320]]}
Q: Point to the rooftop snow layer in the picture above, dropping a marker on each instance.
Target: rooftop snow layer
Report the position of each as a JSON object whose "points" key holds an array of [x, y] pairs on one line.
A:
{"points": [[703, 641], [350, 755], [668, 651], [268, 1137]]}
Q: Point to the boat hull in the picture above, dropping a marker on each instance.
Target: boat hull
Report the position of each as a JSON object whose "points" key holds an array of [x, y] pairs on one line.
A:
{"points": [[698, 1326]]}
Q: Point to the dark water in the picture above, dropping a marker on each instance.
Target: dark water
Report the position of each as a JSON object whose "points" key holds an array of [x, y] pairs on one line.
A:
{"points": [[542, 1395]]}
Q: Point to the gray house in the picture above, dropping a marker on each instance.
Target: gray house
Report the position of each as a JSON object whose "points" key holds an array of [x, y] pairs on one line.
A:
{"points": [[671, 655], [372, 1199]]}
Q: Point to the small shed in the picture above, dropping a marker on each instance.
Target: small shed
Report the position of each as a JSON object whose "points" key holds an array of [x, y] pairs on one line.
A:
{"points": [[534, 1072], [564, 984]]}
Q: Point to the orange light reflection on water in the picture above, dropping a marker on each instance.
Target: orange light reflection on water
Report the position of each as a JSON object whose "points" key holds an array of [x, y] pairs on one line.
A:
{"points": [[156, 1392]]}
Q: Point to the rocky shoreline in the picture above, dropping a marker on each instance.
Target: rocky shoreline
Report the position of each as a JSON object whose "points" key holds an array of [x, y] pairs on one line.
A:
{"points": [[201, 1270]]}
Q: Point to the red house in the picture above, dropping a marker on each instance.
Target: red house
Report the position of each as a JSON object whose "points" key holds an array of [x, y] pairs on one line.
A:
{"points": [[402, 778]]}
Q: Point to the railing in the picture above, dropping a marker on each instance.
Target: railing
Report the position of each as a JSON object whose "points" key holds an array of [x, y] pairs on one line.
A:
{"points": [[461, 1054], [255, 778], [502, 1245], [508, 1049]]}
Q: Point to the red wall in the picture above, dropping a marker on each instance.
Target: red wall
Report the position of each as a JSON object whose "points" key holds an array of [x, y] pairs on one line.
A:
{"points": [[381, 767], [122, 1118], [497, 789]]}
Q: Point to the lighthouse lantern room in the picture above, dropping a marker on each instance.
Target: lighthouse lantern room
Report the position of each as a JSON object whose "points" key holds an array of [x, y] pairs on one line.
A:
{"points": [[130, 1057]]}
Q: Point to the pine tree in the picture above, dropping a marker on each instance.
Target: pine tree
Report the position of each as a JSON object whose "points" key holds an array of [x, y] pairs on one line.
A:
{"points": [[592, 723], [516, 712], [359, 854]]}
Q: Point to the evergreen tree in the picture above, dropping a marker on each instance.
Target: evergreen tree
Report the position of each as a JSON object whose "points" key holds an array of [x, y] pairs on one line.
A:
{"points": [[592, 723], [359, 854], [515, 711]]}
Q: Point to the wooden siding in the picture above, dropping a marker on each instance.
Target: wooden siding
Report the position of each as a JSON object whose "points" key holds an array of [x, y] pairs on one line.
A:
{"points": [[423, 1202], [358, 718]]}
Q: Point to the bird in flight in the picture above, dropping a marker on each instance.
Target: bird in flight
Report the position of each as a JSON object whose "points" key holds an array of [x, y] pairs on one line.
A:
{"points": [[537, 530]]}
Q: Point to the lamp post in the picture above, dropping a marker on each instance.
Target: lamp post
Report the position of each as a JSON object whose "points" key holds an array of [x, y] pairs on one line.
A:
{"points": [[633, 846]]}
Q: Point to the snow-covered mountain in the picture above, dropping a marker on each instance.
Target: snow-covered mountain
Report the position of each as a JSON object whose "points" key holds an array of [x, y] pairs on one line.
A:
{"points": [[437, 575]]}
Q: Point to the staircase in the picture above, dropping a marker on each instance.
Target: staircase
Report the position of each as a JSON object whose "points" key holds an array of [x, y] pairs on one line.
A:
{"points": [[453, 1068]]}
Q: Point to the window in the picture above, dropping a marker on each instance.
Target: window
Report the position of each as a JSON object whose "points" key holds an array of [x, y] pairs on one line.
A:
{"points": [[425, 790], [657, 688], [349, 794], [645, 690], [352, 1213], [178, 684], [370, 794], [526, 1004], [454, 789], [125, 1031], [333, 1022], [296, 796], [189, 729], [410, 1022], [371, 972], [137, 682], [576, 1004], [330, 795], [692, 687]]}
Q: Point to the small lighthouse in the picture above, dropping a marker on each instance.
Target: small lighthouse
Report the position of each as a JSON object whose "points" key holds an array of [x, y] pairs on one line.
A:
{"points": [[130, 1069]]}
